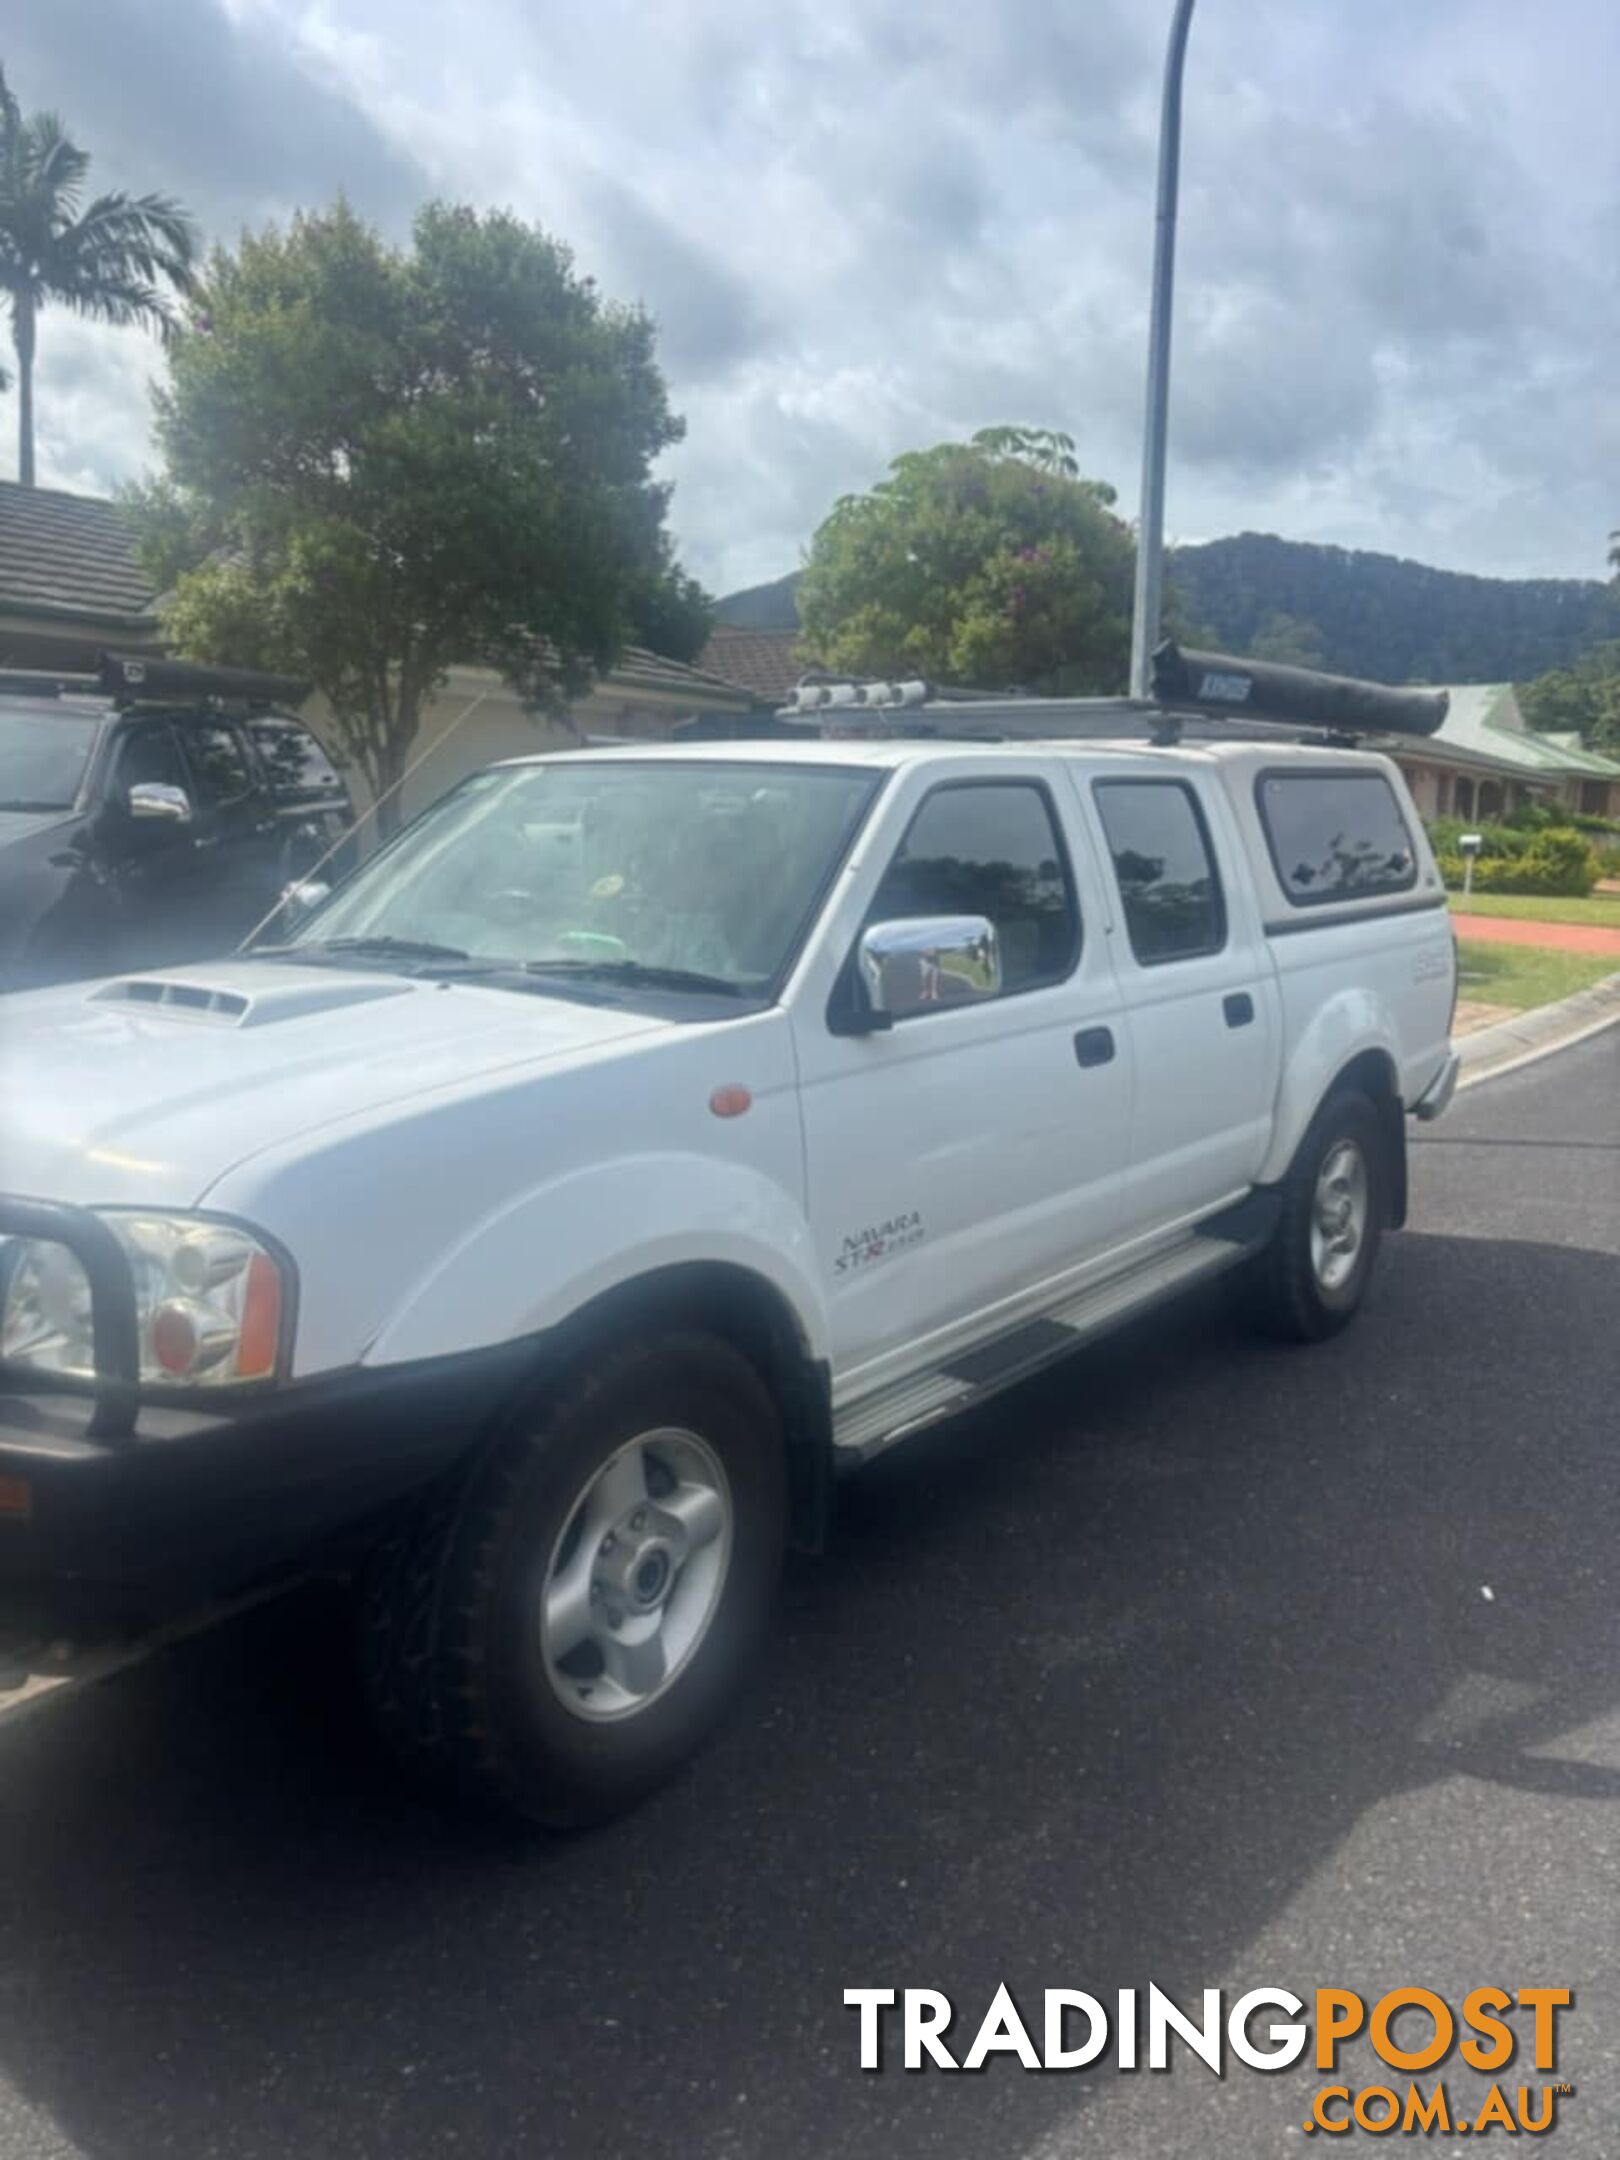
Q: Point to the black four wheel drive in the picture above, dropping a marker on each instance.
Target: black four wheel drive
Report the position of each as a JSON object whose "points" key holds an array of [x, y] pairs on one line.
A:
{"points": [[152, 814]]}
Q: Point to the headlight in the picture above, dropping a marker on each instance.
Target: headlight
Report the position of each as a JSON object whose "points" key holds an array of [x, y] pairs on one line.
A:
{"points": [[209, 1298]]}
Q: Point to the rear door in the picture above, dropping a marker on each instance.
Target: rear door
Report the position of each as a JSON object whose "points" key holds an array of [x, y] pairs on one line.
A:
{"points": [[1198, 990], [966, 1158], [311, 802]]}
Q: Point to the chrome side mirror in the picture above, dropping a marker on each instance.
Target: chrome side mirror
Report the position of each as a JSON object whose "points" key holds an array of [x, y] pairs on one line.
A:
{"points": [[156, 802], [301, 898], [925, 961]]}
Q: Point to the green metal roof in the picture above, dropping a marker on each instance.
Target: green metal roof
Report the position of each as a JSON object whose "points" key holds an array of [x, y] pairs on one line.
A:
{"points": [[1484, 721]]}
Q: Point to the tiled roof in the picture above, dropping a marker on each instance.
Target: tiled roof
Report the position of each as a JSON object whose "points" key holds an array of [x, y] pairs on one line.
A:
{"points": [[638, 669], [762, 661], [1484, 721], [68, 554]]}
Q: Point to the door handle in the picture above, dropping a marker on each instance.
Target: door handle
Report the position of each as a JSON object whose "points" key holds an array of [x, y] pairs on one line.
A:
{"points": [[1094, 1046], [1238, 1008]]}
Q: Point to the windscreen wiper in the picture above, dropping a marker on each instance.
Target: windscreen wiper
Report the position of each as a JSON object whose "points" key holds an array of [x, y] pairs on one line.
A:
{"points": [[384, 948], [638, 974]]}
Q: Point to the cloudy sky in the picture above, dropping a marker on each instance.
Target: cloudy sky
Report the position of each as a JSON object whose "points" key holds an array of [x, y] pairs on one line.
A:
{"points": [[866, 225]]}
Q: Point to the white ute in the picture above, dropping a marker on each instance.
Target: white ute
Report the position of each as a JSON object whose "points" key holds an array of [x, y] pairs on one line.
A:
{"points": [[648, 1132]]}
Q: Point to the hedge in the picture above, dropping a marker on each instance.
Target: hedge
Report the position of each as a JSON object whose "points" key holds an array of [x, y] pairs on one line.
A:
{"points": [[1558, 861]]}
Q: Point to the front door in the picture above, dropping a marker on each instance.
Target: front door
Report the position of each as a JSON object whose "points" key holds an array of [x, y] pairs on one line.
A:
{"points": [[964, 1159], [154, 865], [238, 836]]}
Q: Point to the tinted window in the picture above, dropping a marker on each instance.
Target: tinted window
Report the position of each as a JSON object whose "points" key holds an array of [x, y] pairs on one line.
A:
{"points": [[1336, 836], [149, 755], [218, 764], [1166, 872], [294, 761], [991, 851]]}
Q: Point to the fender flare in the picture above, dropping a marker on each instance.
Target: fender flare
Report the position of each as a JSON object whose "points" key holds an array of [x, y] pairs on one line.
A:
{"points": [[1350, 1042], [512, 1275], [653, 1239]]}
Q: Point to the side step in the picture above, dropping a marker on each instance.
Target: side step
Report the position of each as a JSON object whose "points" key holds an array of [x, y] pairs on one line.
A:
{"points": [[877, 1421]]}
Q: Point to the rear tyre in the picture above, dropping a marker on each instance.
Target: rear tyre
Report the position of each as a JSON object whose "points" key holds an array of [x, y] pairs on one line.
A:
{"points": [[555, 1638], [1312, 1277]]}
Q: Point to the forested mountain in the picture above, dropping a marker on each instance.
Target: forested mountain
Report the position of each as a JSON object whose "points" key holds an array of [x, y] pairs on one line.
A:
{"points": [[1379, 616], [762, 607], [1343, 609]]}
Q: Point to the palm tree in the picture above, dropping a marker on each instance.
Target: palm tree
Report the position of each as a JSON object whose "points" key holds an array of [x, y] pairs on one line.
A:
{"points": [[109, 261]]}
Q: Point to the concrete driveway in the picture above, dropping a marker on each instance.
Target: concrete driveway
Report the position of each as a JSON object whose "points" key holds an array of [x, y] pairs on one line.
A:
{"points": [[1200, 1662]]}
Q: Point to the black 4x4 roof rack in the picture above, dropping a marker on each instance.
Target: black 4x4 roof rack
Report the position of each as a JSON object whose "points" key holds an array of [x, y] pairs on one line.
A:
{"points": [[128, 679], [150, 679], [1196, 694]]}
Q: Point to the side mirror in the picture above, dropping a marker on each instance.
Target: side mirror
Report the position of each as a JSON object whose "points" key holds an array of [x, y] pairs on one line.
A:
{"points": [[155, 802], [925, 961], [300, 899]]}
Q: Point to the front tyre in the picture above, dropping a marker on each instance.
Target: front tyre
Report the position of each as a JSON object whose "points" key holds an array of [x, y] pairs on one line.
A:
{"points": [[558, 1636], [1312, 1277]]}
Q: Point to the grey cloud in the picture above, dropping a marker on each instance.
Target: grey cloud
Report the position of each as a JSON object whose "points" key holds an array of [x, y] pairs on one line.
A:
{"points": [[865, 224], [1263, 393], [170, 94], [707, 318], [1022, 63]]}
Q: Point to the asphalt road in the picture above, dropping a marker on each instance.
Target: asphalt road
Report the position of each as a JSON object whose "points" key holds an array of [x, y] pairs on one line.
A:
{"points": [[1199, 1662]]}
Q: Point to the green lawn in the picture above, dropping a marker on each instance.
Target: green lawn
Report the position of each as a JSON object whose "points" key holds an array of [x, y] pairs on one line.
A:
{"points": [[1602, 908], [1525, 975]]}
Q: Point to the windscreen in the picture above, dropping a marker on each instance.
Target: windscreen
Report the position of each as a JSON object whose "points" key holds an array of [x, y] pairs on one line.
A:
{"points": [[43, 753], [713, 869]]}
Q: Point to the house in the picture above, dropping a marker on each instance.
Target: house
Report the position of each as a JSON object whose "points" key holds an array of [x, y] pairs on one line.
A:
{"points": [[69, 583], [70, 588], [1486, 761], [476, 719], [766, 663]]}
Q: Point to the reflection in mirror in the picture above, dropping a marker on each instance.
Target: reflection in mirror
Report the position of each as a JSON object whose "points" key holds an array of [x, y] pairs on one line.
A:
{"points": [[154, 801], [921, 962], [297, 903]]}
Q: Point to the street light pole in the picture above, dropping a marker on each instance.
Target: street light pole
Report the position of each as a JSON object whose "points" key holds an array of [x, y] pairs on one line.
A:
{"points": [[1150, 528]]}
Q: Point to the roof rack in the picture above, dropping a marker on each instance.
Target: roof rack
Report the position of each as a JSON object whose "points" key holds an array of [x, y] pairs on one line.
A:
{"points": [[47, 682], [128, 679], [150, 679], [1198, 695]]}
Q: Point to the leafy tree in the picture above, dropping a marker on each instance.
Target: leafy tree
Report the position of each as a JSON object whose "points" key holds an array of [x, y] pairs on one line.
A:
{"points": [[982, 564], [1285, 638], [111, 261], [1584, 698], [381, 462], [672, 614]]}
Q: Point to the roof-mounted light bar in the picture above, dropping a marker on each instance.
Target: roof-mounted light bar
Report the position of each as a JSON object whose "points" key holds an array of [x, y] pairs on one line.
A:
{"points": [[820, 696]]}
